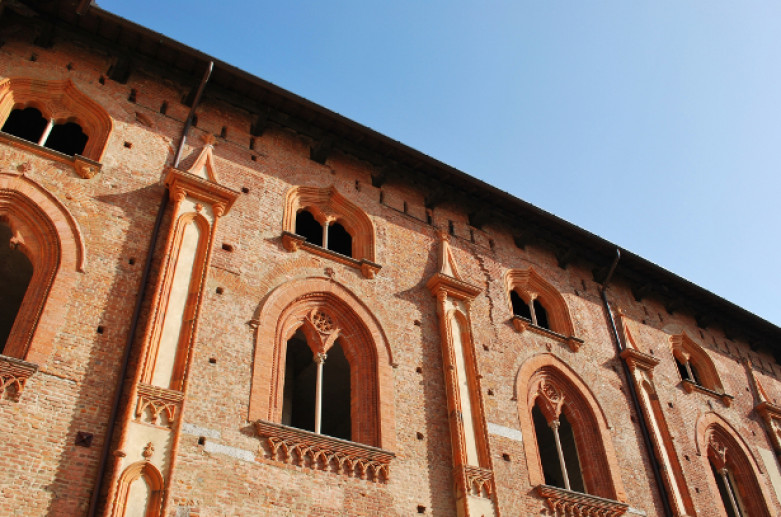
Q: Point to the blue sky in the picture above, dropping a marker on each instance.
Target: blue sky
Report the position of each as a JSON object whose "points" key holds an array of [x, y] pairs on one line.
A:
{"points": [[656, 125]]}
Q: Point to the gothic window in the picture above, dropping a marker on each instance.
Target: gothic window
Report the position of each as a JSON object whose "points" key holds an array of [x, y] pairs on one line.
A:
{"points": [[570, 445], [16, 270], [29, 124], [696, 368], [322, 221]]}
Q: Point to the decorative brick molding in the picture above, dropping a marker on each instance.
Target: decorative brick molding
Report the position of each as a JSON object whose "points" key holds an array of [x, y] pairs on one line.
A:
{"points": [[61, 101], [140, 472], [480, 481], [13, 376], [685, 349], [327, 204], [530, 285], [289, 308], [294, 242], [45, 231], [566, 503], [84, 167], [155, 402], [723, 447], [319, 452], [767, 410], [560, 390]]}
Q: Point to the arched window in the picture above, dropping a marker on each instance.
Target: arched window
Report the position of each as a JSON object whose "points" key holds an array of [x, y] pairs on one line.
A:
{"points": [[538, 306], [140, 492], [734, 472], [569, 446], [58, 116], [16, 270], [320, 219], [696, 368]]}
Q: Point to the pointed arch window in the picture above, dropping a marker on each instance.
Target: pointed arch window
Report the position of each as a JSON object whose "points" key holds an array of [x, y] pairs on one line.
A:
{"points": [[45, 116], [538, 306], [696, 368], [323, 222]]}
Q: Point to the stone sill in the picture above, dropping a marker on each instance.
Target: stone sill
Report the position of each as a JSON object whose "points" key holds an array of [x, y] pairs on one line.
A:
{"points": [[568, 502], [294, 242], [690, 386], [13, 376], [521, 324], [314, 451], [84, 167]]}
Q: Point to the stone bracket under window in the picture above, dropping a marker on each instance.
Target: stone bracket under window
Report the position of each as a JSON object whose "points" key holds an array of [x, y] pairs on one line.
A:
{"points": [[84, 167], [522, 324], [567, 502], [13, 376], [690, 386], [293, 242], [309, 450]]}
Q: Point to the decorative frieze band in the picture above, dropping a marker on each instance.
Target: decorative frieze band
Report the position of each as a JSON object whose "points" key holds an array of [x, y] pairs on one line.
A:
{"points": [[319, 452], [479, 481], [13, 376], [154, 402], [566, 503]]}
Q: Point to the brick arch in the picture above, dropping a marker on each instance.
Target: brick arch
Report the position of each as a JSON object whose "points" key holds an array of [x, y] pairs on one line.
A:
{"points": [[290, 307], [684, 348], [50, 237], [528, 283], [61, 101], [589, 423], [328, 203], [143, 471], [715, 435]]}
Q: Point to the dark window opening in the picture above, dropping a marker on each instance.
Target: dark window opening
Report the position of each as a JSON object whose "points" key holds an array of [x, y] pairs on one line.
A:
{"points": [[520, 307], [695, 374], [67, 138], [570, 451], [724, 493], [308, 227], [298, 404], [339, 240], [27, 123], [336, 419], [541, 314], [546, 446], [682, 370], [16, 270]]}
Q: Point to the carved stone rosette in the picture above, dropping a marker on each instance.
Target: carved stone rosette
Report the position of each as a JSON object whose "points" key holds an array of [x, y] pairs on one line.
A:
{"points": [[319, 452], [13, 376], [566, 503]]}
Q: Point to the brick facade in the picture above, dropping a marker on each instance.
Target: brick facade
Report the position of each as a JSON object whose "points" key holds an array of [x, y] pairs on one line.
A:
{"points": [[208, 441]]}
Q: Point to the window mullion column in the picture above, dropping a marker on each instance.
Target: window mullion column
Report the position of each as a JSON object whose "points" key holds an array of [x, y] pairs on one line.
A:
{"points": [[319, 360], [554, 425], [532, 297], [46, 132], [728, 485]]}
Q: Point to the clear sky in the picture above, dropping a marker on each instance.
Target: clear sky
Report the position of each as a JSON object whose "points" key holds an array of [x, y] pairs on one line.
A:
{"points": [[656, 125]]}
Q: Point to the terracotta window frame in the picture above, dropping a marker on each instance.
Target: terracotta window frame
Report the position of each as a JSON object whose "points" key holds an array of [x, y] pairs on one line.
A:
{"points": [[719, 444], [292, 306], [58, 101], [45, 231], [688, 352], [530, 286], [546, 381], [328, 206]]}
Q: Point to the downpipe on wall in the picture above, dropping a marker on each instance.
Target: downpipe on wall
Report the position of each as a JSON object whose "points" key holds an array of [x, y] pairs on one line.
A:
{"points": [[119, 392], [633, 392]]}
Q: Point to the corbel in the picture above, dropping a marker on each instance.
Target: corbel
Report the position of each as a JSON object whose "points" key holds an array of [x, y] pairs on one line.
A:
{"points": [[120, 71], [434, 198], [322, 148], [643, 291], [480, 217], [565, 256], [260, 123]]}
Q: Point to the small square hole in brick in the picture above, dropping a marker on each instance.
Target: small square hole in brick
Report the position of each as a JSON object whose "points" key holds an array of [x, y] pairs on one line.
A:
{"points": [[421, 508], [201, 440], [697, 490], [128, 145], [100, 329], [419, 435], [485, 347], [419, 369], [254, 158], [506, 457], [245, 190], [491, 393], [213, 360], [131, 260], [687, 457], [84, 439], [227, 247], [670, 405], [220, 290], [416, 323]]}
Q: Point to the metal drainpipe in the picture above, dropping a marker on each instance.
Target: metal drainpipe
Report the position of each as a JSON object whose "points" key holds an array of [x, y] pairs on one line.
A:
{"points": [[633, 393], [93, 502]]}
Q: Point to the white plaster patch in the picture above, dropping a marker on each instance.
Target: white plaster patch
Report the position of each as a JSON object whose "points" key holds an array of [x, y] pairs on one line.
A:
{"points": [[507, 432], [200, 431], [635, 511], [233, 452]]}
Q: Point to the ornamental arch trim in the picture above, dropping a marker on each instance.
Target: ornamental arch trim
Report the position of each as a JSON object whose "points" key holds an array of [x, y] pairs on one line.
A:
{"points": [[685, 349], [568, 393], [717, 441], [144, 472], [297, 305], [327, 204], [529, 284], [46, 232], [60, 101]]}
